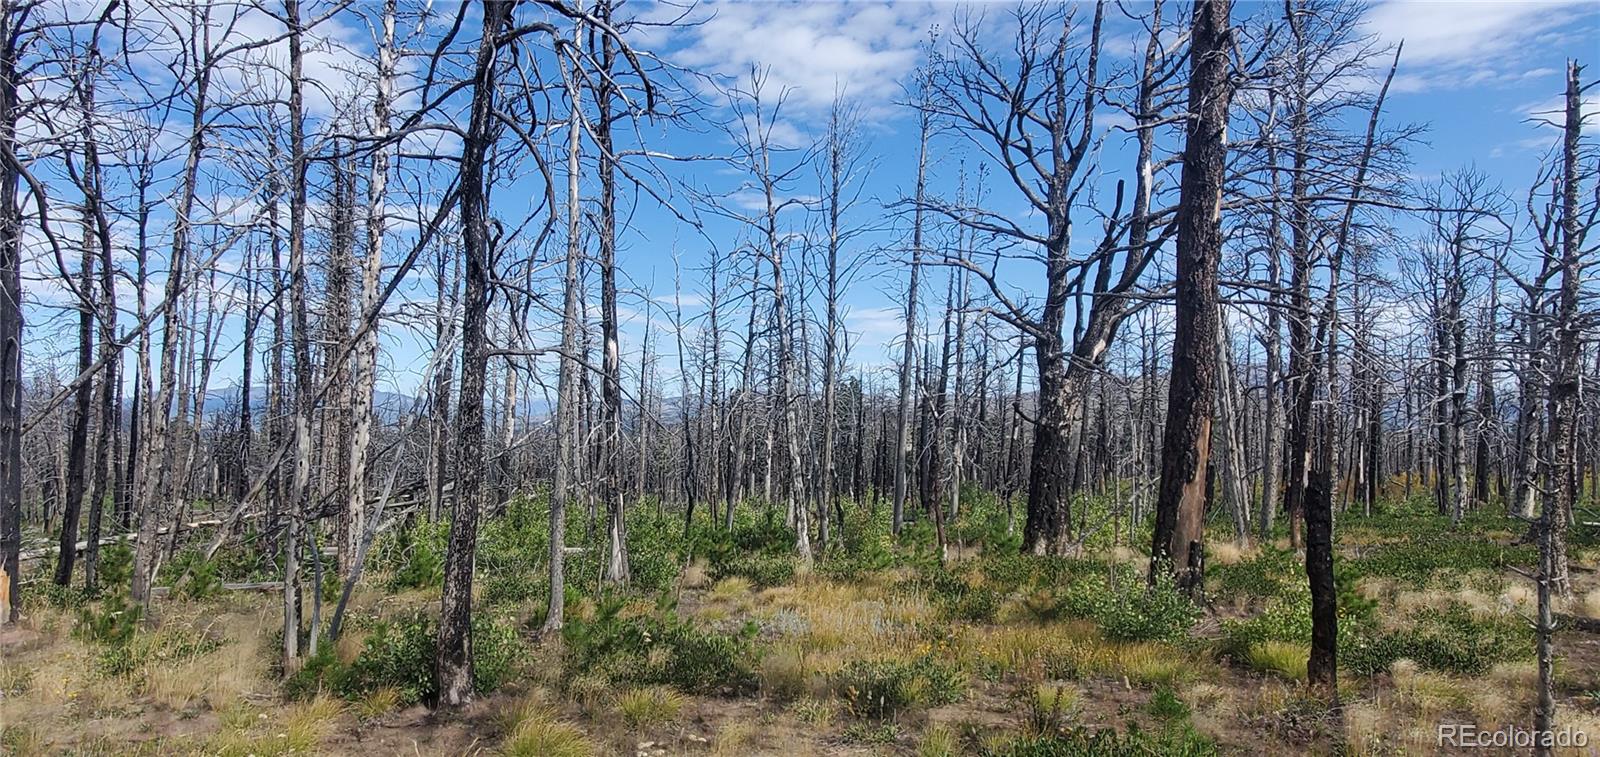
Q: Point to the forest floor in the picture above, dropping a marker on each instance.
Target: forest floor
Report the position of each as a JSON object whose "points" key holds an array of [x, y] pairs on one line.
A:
{"points": [[878, 650]]}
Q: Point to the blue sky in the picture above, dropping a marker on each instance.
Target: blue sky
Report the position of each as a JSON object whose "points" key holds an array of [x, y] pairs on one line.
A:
{"points": [[1474, 72]]}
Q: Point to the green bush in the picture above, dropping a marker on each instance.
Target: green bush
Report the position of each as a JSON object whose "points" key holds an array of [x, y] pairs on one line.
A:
{"points": [[959, 600], [318, 673], [128, 658], [1165, 704], [1175, 741], [659, 648], [1130, 609], [400, 653], [863, 547], [982, 520], [1451, 640], [763, 569], [759, 549], [882, 688], [197, 577], [52, 594], [114, 619], [1263, 576], [1286, 618], [1447, 556], [418, 556]]}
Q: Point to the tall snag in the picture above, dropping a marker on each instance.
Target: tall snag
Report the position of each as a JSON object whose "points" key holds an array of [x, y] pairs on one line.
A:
{"points": [[453, 664], [1186, 444]]}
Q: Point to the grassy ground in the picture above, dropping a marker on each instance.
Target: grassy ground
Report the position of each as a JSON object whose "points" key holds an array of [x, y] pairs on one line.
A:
{"points": [[722, 648]]}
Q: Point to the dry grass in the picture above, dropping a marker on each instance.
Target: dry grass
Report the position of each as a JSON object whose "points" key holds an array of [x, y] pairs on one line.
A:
{"points": [[694, 575], [651, 705], [733, 739], [788, 672], [1023, 651], [19, 739], [349, 645], [730, 590], [939, 741], [1588, 605], [1077, 648], [834, 623], [1580, 722], [63, 681], [817, 713], [1229, 552], [299, 729], [380, 702], [1366, 728], [307, 722], [1427, 694], [547, 738], [591, 692], [1150, 663], [176, 687], [534, 729], [1280, 658]]}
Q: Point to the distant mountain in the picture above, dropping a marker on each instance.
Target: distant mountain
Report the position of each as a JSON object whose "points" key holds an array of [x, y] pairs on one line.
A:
{"points": [[390, 405]]}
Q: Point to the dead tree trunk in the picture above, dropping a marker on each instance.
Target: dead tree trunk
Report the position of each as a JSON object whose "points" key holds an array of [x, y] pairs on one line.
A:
{"points": [[366, 367], [453, 664], [1186, 444], [567, 382], [903, 456], [78, 441], [616, 568], [298, 501], [11, 15], [1561, 483]]}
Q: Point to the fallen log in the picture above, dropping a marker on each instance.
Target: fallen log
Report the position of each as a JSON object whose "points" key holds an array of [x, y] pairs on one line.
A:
{"points": [[161, 591], [1578, 622], [35, 554]]}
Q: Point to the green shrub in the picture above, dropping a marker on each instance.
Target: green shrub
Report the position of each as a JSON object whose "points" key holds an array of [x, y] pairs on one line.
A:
{"points": [[882, 688], [959, 600], [763, 569], [418, 556], [659, 648], [1447, 556], [757, 549], [1175, 741], [195, 576], [1165, 704], [1263, 576], [1285, 619], [318, 673], [129, 658], [114, 619], [52, 594], [983, 520], [1009, 571], [1451, 640], [1130, 609], [400, 654], [864, 546]]}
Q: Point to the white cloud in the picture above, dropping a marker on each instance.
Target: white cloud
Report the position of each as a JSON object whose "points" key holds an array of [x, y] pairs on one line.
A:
{"points": [[1473, 44], [813, 50]]}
